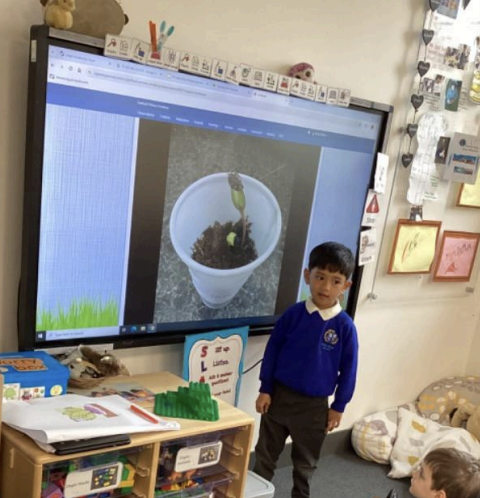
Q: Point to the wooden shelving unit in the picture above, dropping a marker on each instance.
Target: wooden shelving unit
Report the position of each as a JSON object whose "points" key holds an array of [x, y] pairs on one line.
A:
{"points": [[22, 462]]}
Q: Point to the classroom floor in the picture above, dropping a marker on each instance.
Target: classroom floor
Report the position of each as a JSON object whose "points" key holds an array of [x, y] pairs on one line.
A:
{"points": [[345, 475]]}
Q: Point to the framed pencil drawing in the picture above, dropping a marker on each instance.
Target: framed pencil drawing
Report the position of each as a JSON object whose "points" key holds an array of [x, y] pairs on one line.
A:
{"points": [[414, 246], [456, 257], [469, 195]]}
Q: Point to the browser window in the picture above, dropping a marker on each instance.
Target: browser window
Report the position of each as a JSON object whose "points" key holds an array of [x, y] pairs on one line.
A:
{"points": [[124, 143]]}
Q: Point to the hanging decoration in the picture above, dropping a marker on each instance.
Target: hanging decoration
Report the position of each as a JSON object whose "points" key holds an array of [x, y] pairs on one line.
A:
{"points": [[416, 99]]}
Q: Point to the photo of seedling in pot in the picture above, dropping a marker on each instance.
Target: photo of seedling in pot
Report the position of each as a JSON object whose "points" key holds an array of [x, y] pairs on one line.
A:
{"points": [[222, 227], [227, 245]]}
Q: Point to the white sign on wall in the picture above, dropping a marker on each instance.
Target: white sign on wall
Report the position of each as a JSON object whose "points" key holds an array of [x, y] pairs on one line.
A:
{"points": [[216, 358]]}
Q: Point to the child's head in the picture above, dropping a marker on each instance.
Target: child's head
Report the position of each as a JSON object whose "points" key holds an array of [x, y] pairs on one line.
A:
{"points": [[330, 266], [334, 257], [447, 473]]}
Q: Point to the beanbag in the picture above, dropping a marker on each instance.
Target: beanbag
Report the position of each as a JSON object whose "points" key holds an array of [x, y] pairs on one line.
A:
{"points": [[440, 398], [373, 436]]}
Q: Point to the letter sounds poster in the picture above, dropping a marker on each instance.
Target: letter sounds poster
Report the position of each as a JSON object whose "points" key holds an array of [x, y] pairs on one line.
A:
{"points": [[216, 358]]}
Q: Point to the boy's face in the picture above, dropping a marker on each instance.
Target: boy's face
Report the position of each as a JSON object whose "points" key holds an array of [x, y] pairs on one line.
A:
{"points": [[421, 484], [325, 286]]}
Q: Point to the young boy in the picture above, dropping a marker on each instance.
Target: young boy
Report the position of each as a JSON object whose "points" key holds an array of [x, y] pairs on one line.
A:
{"points": [[447, 473], [311, 354]]}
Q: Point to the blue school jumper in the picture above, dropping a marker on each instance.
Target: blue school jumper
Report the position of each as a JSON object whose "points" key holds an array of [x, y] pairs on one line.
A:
{"points": [[313, 352]]}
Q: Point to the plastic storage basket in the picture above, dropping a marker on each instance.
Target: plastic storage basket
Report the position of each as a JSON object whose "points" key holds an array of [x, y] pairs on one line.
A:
{"points": [[258, 487]]}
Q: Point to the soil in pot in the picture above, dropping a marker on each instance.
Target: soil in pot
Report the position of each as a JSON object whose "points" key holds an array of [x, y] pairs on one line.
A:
{"points": [[212, 249]]}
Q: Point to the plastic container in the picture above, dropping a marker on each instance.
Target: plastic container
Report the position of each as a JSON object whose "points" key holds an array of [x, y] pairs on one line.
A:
{"points": [[258, 487], [191, 458], [94, 475], [32, 374], [207, 201]]}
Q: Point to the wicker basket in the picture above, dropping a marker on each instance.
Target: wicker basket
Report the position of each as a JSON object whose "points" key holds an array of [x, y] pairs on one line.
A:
{"points": [[86, 382]]}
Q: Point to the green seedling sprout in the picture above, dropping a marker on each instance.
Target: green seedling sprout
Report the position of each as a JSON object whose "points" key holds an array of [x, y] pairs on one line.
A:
{"points": [[239, 201], [231, 239]]}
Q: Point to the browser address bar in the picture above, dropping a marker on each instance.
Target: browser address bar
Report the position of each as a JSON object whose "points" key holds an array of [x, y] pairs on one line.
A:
{"points": [[241, 105], [197, 97], [114, 76]]}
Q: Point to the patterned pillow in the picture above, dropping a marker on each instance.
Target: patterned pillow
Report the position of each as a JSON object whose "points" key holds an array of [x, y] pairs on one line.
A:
{"points": [[373, 436], [437, 401], [417, 436]]}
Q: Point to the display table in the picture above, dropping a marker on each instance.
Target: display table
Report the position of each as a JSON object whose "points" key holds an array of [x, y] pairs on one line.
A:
{"points": [[23, 463]]}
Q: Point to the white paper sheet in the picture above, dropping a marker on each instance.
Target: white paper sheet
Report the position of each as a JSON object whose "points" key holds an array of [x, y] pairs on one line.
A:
{"points": [[423, 173], [381, 173], [368, 246], [63, 418]]}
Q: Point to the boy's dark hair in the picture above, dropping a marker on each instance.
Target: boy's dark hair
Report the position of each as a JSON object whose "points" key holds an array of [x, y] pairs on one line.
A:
{"points": [[455, 472], [332, 256]]}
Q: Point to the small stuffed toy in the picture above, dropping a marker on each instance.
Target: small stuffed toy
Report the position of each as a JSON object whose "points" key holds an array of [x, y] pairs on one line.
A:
{"points": [[468, 417], [106, 364], [85, 362], [58, 13], [93, 18], [302, 71], [80, 369]]}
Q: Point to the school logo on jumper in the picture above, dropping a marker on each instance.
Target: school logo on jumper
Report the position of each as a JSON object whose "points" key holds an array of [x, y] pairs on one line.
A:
{"points": [[330, 337]]}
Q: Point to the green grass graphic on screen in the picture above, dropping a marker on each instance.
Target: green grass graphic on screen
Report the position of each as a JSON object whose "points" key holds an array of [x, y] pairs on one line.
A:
{"points": [[83, 313]]}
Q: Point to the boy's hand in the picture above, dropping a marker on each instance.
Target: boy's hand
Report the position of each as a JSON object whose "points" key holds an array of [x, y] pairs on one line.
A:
{"points": [[263, 403], [333, 421]]}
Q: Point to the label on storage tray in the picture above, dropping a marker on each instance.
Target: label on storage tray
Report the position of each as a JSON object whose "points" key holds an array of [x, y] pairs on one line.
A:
{"points": [[196, 457]]}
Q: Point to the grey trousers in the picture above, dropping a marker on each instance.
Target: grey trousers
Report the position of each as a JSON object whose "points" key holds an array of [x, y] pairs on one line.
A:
{"points": [[304, 419]]}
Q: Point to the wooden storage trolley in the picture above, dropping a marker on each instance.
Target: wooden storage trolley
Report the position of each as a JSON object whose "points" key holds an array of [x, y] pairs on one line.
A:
{"points": [[24, 465]]}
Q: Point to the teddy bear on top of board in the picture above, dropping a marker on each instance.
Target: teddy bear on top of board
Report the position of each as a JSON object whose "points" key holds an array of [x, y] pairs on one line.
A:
{"points": [[58, 13], [93, 18]]}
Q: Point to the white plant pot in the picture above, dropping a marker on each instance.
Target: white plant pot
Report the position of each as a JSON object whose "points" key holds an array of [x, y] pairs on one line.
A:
{"points": [[209, 200]]}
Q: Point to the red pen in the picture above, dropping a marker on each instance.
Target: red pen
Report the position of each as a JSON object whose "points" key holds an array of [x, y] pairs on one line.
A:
{"points": [[143, 414]]}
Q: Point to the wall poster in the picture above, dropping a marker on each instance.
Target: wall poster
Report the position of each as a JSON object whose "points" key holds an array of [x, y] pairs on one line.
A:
{"points": [[216, 358], [457, 256], [414, 246]]}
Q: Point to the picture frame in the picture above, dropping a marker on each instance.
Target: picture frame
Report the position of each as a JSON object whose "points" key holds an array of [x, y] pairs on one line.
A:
{"points": [[456, 256], [414, 247], [469, 195]]}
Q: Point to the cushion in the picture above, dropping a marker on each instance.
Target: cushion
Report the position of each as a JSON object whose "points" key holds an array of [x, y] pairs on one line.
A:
{"points": [[373, 436], [416, 436], [437, 401]]}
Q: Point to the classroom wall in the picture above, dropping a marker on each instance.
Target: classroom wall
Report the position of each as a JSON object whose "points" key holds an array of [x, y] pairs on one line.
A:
{"points": [[473, 363], [415, 331]]}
